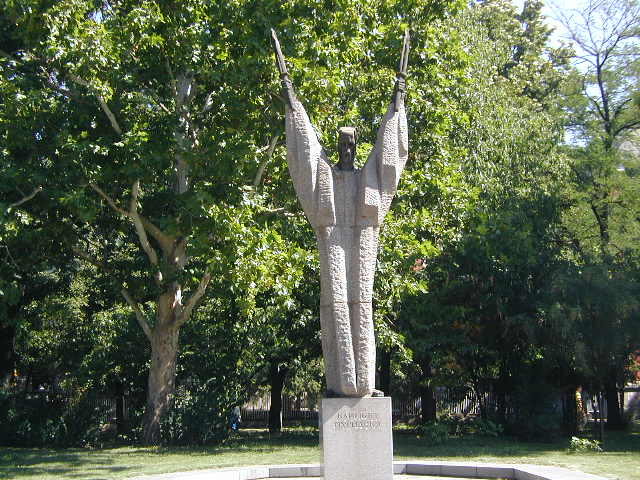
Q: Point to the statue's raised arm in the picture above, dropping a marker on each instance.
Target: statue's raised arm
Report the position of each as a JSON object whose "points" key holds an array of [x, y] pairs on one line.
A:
{"points": [[386, 161], [308, 164], [287, 87], [401, 76]]}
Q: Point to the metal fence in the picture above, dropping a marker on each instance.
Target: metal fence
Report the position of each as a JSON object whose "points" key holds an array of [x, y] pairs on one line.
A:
{"points": [[295, 409], [105, 407]]}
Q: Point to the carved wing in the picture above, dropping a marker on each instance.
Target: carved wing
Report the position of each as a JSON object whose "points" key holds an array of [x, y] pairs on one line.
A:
{"points": [[381, 174], [309, 167]]}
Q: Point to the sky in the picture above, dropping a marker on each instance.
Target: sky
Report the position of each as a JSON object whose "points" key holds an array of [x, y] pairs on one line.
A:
{"points": [[551, 11]]}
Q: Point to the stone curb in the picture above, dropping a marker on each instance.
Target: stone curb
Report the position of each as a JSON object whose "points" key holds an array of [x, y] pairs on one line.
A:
{"points": [[411, 467]]}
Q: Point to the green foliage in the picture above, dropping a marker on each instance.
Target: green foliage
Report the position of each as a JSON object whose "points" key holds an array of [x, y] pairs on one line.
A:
{"points": [[488, 266], [199, 415], [51, 419], [583, 445], [473, 317], [433, 433], [460, 425], [28, 421]]}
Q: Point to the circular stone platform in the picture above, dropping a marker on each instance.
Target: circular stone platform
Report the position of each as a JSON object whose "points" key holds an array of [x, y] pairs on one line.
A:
{"points": [[403, 470]]}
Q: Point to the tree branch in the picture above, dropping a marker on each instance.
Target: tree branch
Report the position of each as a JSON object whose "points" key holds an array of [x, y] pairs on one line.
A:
{"points": [[165, 241], [142, 234], [208, 103], [142, 321], [194, 299], [272, 146], [109, 200], [103, 104], [93, 261], [627, 126], [26, 198], [172, 78], [620, 107]]}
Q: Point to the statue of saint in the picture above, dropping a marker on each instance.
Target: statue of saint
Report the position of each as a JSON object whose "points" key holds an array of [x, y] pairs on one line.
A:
{"points": [[346, 207]]}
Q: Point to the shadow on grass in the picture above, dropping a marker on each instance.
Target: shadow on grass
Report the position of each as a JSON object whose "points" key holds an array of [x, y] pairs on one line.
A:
{"points": [[257, 445], [36, 463]]}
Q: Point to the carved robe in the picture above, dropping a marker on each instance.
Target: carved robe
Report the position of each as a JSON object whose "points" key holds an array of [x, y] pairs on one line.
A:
{"points": [[346, 209]]}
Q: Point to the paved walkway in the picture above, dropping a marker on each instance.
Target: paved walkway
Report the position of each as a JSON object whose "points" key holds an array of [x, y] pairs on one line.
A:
{"points": [[397, 477]]}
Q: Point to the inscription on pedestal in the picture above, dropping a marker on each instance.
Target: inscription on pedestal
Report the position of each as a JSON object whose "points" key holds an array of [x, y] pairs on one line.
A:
{"points": [[357, 419]]}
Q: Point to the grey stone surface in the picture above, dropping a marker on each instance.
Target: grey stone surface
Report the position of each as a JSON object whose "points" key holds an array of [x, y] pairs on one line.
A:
{"points": [[413, 468], [423, 469], [460, 470], [495, 471], [356, 438], [399, 468], [287, 471], [346, 208]]}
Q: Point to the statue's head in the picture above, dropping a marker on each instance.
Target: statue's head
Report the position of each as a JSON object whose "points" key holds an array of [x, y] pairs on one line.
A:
{"points": [[346, 148]]}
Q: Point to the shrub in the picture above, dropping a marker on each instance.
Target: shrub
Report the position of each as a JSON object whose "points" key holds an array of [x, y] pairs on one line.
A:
{"points": [[49, 419], [433, 433], [460, 425], [583, 445], [30, 420], [199, 415], [485, 428]]}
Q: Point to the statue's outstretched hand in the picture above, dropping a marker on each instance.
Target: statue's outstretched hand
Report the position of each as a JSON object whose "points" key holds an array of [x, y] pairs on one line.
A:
{"points": [[288, 92], [401, 76]]}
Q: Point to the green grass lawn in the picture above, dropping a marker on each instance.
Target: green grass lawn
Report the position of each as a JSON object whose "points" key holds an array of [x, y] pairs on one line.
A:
{"points": [[621, 459]]}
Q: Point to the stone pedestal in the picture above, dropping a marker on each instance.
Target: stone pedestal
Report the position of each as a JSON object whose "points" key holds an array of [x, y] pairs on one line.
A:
{"points": [[355, 436]]}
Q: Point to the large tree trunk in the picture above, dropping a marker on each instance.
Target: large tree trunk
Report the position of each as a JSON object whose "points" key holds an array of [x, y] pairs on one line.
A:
{"points": [[385, 371], [614, 412], [277, 375], [7, 355], [162, 374], [570, 411], [427, 394], [120, 422]]}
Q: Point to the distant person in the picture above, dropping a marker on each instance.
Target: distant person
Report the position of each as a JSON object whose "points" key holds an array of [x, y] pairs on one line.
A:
{"points": [[235, 418], [581, 411]]}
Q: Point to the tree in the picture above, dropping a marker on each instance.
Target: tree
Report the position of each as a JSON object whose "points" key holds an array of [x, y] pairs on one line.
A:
{"points": [[158, 116], [604, 112], [475, 315], [605, 109]]}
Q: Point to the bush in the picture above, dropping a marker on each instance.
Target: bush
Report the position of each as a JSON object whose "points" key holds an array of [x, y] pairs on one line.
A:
{"points": [[461, 425], [30, 420], [83, 425], [537, 416], [485, 428], [46, 419], [199, 415], [583, 445], [433, 433]]}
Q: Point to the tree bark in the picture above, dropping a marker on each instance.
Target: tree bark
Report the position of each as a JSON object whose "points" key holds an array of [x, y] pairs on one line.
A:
{"points": [[570, 412], [277, 375], [614, 413], [120, 423], [7, 355], [428, 408], [162, 375], [385, 371]]}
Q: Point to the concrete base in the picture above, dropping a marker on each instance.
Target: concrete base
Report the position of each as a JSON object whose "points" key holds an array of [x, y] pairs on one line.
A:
{"points": [[356, 439], [414, 468]]}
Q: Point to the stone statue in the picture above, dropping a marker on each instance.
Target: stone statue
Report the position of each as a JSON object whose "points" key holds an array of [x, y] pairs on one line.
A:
{"points": [[346, 207]]}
